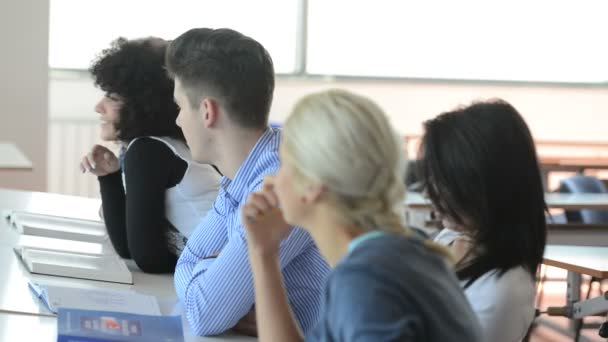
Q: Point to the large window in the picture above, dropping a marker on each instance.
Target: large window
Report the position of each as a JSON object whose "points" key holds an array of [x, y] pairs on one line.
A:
{"points": [[81, 29], [527, 40], [516, 40]]}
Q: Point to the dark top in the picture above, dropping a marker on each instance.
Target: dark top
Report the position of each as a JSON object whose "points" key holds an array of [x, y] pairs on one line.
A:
{"points": [[392, 288], [136, 221]]}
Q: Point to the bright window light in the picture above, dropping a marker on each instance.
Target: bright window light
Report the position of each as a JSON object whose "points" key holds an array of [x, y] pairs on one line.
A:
{"points": [[518, 40], [79, 30]]}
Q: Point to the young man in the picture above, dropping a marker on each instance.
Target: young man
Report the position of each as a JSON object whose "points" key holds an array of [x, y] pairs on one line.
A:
{"points": [[224, 82]]}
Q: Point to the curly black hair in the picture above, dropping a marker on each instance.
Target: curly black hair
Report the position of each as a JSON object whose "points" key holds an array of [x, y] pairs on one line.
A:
{"points": [[135, 71]]}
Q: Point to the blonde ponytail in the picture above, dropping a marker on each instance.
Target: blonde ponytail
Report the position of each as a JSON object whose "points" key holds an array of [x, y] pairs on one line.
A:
{"points": [[345, 142]]}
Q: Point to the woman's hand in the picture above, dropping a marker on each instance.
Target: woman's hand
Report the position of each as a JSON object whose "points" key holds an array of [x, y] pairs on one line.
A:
{"points": [[100, 161], [264, 221]]}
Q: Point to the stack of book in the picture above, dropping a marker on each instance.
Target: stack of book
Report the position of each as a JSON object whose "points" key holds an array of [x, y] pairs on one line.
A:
{"points": [[67, 247]]}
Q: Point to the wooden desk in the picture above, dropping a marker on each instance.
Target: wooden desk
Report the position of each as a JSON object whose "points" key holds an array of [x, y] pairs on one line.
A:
{"points": [[573, 164], [12, 158], [553, 155], [15, 296]]}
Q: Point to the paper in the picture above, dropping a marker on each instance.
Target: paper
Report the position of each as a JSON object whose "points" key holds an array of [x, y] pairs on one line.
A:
{"points": [[55, 297]]}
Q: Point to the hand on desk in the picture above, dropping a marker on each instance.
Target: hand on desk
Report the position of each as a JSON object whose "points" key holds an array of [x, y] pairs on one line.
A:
{"points": [[100, 161]]}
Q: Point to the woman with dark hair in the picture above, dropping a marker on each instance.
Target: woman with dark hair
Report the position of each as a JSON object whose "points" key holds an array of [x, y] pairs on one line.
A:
{"points": [[153, 194], [481, 173]]}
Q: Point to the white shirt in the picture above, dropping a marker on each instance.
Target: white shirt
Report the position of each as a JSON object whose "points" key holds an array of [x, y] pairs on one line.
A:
{"points": [[188, 202], [504, 305]]}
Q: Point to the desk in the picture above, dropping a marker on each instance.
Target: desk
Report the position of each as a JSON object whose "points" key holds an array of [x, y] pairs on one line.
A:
{"points": [[577, 261], [415, 201], [573, 164], [569, 156], [559, 234], [591, 261], [12, 158], [15, 296], [553, 155]]}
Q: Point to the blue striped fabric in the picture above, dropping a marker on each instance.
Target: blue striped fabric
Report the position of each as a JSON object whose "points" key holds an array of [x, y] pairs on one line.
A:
{"points": [[217, 292]]}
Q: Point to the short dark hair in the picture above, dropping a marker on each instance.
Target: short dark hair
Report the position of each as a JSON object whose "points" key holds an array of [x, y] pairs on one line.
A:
{"points": [[479, 165], [231, 66], [135, 71]]}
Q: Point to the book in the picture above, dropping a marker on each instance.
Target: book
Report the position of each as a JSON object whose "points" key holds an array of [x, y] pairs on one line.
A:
{"points": [[55, 298], [109, 268], [58, 227], [98, 326], [25, 242]]}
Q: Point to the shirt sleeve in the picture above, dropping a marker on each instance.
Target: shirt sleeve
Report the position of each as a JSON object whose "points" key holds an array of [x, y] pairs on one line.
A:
{"points": [[138, 229], [204, 245], [114, 211], [216, 295], [353, 314]]}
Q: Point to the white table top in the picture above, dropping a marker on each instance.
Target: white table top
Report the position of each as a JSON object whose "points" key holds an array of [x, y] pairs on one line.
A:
{"points": [[415, 200], [580, 259], [11, 157], [15, 295]]}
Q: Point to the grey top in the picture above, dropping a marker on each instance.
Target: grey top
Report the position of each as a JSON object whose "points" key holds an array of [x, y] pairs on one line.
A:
{"points": [[393, 288]]}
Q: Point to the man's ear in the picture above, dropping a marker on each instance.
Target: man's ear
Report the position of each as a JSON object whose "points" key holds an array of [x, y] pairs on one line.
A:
{"points": [[210, 110]]}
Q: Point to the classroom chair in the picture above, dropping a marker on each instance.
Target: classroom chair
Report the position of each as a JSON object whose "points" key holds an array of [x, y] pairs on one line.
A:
{"points": [[584, 184]]}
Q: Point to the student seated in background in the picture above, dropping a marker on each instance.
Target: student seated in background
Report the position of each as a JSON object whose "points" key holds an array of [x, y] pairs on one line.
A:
{"points": [[224, 82], [153, 195], [341, 179], [481, 173]]}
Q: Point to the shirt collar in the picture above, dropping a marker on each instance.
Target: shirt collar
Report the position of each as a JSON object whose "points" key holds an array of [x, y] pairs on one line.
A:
{"points": [[356, 242], [237, 187]]}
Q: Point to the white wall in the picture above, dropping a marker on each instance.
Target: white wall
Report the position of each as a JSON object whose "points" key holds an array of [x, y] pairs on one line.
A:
{"points": [[24, 87], [553, 112]]}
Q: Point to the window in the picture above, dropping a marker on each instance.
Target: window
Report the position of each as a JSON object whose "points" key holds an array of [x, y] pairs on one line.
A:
{"points": [[540, 40], [516, 40], [79, 30]]}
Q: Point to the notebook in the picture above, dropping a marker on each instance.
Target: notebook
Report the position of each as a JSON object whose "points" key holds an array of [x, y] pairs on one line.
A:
{"points": [[97, 326], [109, 268], [58, 227], [57, 297], [60, 245]]}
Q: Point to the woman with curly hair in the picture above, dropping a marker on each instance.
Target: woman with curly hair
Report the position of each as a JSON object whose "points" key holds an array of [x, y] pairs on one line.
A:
{"points": [[153, 194]]}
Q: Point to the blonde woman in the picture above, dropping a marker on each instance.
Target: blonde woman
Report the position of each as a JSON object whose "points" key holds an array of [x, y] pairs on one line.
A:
{"points": [[341, 180]]}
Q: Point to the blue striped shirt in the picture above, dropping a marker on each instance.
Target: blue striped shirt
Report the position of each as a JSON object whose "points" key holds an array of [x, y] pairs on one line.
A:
{"points": [[217, 292]]}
